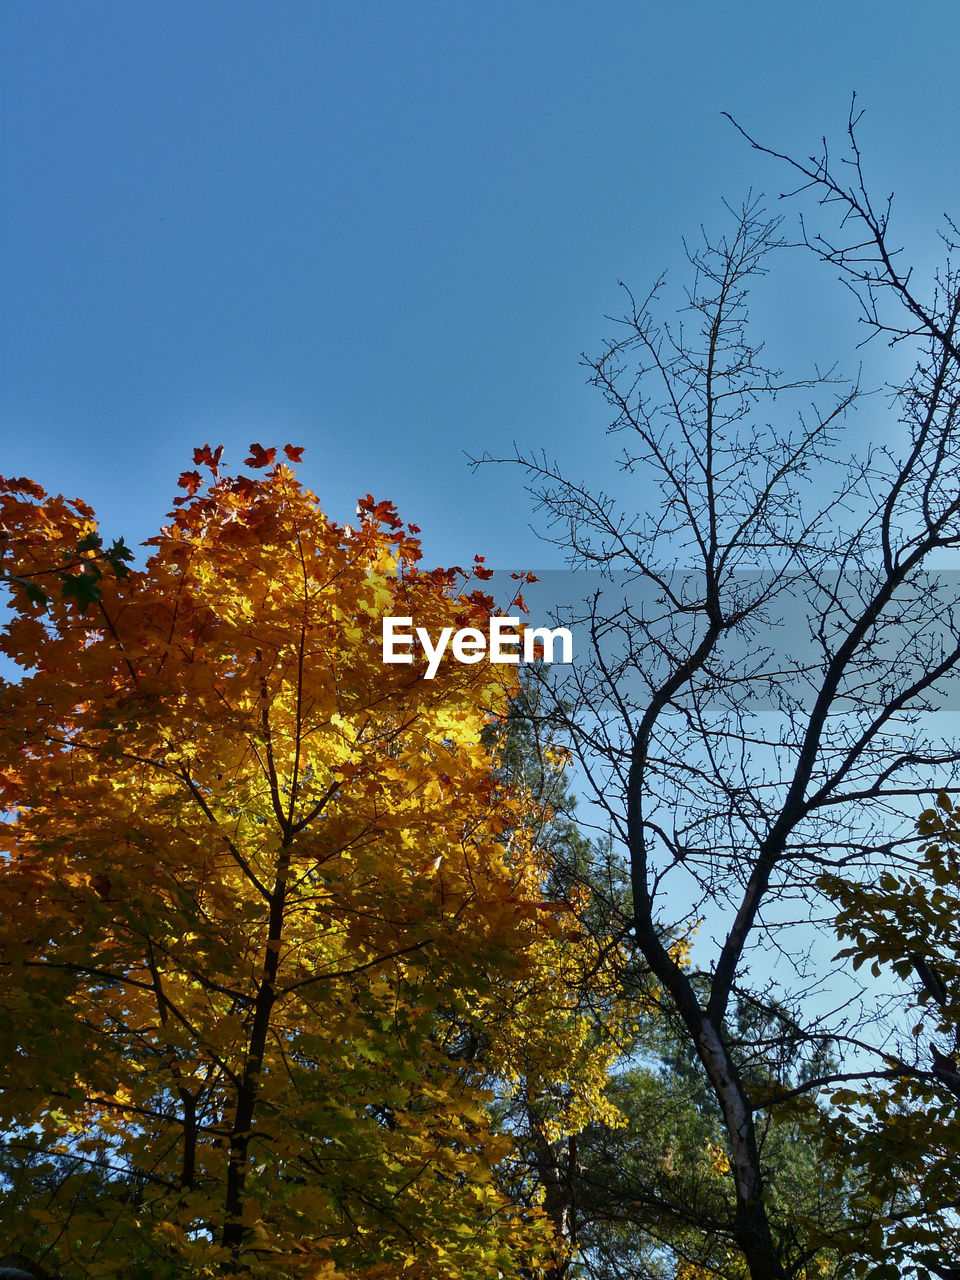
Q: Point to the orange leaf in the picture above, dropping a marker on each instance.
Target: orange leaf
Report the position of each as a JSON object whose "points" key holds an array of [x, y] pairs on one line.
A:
{"points": [[260, 457]]}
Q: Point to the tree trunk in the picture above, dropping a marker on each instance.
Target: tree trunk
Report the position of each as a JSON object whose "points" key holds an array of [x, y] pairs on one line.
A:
{"points": [[751, 1225], [234, 1230]]}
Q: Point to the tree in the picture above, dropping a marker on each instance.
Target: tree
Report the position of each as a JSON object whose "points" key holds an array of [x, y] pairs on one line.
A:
{"points": [[733, 768], [655, 1196], [261, 896], [650, 1197]]}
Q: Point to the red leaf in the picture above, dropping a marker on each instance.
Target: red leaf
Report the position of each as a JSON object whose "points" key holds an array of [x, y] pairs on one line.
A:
{"points": [[21, 485], [209, 457], [380, 512], [190, 480], [260, 457], [482, 601], [294, 454]]}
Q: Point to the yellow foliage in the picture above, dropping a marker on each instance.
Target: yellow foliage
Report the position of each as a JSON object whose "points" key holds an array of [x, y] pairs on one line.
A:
{"points": [[273, 935]]}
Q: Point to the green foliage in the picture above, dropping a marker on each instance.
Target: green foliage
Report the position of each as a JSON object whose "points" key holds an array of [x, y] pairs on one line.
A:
{"points": [[903, 1132]]}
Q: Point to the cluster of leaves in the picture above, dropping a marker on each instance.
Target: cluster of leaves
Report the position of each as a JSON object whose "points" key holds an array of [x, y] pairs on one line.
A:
{"points": [[275, 932], [903, 1131], [78, 571]]}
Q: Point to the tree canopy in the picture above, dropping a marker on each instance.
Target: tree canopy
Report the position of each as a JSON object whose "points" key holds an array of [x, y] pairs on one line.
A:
{"points": [[262, 898]]}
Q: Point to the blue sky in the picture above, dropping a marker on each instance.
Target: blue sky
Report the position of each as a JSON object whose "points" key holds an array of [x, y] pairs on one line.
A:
{"points": [[387, 231]]}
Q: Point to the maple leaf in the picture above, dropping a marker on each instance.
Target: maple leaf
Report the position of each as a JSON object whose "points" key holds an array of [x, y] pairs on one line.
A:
{"points": [[295, 454], [260, 457], [206, 456], [190, 480], [481, 600], [378, 512]]}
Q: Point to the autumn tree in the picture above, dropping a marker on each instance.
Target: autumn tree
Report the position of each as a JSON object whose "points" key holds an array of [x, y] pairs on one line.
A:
{"points": [[759, 704], [261, 895]]}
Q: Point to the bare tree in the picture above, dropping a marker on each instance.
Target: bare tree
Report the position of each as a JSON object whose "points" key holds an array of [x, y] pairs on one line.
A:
{"points": [[736, 752]]}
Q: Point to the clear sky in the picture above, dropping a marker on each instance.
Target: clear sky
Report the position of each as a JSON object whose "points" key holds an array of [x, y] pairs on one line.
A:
{"points": [[387, 231]]}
